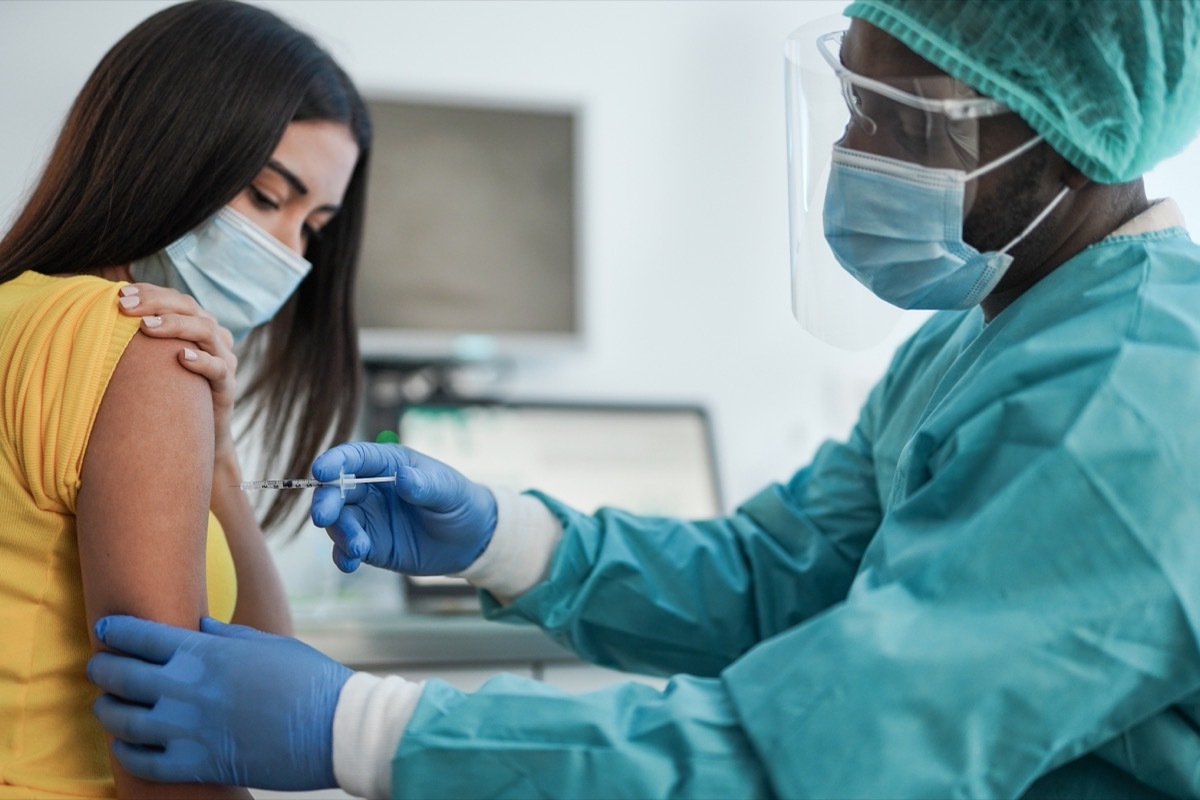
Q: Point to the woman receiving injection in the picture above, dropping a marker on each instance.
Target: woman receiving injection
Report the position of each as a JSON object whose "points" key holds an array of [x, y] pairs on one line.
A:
{"points": [[217, 151]]}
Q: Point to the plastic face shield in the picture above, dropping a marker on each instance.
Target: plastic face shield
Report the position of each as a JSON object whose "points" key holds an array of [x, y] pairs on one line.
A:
{"points": [[929, 121]]}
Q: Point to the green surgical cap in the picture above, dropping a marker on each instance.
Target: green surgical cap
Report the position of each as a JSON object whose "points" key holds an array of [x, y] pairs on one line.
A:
{"points": [[1113, 85]]}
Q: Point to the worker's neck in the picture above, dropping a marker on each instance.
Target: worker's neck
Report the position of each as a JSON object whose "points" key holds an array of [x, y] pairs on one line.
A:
{"points": [[1096, 211]]}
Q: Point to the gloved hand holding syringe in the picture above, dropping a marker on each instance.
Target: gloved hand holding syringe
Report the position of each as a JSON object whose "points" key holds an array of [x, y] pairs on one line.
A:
{"points": [[344, 482]]}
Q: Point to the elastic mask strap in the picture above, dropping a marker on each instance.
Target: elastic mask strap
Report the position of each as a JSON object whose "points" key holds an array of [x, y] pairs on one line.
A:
{"points": [[1004, 159], [1037, 220]]}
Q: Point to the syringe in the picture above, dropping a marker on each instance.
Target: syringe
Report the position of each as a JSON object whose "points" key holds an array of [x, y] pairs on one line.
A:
{"points": [[344, 482]]}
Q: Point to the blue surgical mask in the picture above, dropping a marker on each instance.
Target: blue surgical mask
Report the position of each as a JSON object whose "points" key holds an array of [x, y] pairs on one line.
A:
{"points": [[897, 228], [234, 269]]}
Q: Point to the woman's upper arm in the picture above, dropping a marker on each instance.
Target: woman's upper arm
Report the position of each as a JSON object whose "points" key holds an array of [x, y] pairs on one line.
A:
{"points": [[142, 507], [144, 489]]}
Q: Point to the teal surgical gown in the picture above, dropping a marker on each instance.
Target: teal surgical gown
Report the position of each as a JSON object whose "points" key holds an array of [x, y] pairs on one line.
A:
{"points": [[996, 577]]}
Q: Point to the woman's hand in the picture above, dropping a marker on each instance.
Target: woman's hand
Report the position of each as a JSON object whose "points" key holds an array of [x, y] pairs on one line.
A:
{"points": [[167, 313]]}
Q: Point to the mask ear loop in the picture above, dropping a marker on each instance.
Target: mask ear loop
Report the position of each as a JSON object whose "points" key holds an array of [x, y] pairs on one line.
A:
{"points": [[1001, 161], [1037, 220], [1004, 159]]}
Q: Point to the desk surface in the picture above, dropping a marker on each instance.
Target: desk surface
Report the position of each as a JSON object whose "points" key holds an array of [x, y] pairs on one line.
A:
{"points": [[413, 639]]}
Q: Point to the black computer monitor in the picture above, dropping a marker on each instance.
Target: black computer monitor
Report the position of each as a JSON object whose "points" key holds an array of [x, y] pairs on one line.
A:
{"points": [[471, 236]]}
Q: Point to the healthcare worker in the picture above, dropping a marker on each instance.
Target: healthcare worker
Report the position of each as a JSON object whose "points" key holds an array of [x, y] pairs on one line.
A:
{"points": [[988, 590]]}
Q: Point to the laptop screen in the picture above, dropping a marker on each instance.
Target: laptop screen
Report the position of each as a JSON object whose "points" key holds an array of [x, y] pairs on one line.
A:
{"points": [[650, 460]]}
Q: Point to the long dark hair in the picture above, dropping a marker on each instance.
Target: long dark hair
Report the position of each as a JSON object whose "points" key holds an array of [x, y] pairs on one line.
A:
{"points": [[176, 120]]}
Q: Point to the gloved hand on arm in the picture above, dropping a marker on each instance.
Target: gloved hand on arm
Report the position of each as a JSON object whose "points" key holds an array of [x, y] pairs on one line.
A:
{"points": [[226, 704], [431, 521]]}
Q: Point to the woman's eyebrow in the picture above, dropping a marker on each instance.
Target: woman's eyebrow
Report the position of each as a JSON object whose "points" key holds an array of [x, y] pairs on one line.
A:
{"points": [[288, 176], [298, 184]]}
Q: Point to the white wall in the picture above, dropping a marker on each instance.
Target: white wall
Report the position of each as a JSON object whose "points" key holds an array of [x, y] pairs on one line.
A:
{"points": [[685, 229]]}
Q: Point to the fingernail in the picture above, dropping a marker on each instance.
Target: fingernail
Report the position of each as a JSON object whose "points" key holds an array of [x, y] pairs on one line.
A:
{"points": [[151, 322], [130, 301], [128, 290], [189, 354], [101, 627]]}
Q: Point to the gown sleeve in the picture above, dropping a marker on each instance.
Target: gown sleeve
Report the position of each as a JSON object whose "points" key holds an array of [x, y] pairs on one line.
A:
{"points": [[660, 596]]}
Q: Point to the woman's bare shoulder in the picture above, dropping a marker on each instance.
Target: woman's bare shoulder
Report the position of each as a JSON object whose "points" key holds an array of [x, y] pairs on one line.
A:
{"points": [[146, 484]]}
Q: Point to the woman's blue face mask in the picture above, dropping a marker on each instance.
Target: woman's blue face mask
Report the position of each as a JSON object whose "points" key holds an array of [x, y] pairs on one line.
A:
{"points": [[897, 228], [235, 270]]}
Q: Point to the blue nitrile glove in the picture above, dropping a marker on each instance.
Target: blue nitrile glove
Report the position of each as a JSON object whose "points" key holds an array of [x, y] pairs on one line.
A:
{"points": [[431, 521], [228, 704]]}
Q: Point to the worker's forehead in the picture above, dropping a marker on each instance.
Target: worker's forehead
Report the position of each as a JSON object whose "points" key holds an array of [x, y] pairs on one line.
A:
{"points": [[870, 51]]}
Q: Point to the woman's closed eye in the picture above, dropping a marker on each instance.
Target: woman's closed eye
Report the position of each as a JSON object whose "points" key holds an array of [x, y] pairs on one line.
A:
{"points": [[263, 200]]}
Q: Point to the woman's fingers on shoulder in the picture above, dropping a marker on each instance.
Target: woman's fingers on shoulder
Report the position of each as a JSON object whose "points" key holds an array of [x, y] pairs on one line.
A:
{"points": [[167, 313], [201, 329], [143, 299], [149, 294], [214, 368]]}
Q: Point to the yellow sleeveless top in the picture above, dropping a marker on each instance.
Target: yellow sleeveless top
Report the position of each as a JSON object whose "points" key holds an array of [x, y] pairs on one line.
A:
{"points": [[60, 339]]}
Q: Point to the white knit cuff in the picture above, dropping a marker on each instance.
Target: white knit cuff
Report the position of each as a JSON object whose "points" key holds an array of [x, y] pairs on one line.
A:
{"points": [[518, 556], [368, 723]]}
